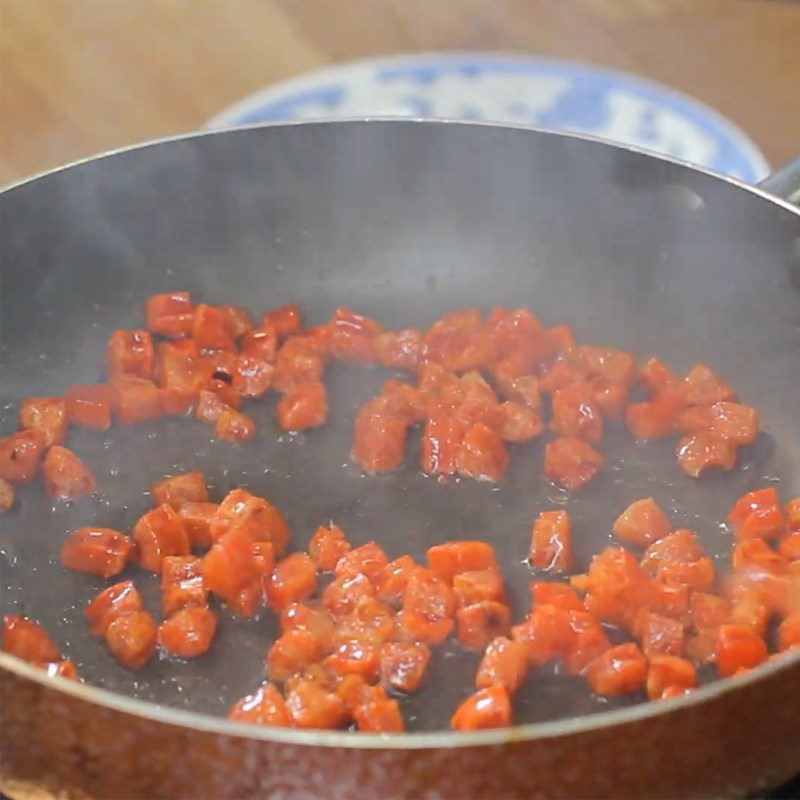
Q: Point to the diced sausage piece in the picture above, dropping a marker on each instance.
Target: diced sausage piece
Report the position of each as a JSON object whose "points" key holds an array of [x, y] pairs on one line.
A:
{"points": [[132, 639], [65, 475], [264, 707], [343, 594], [212, 329], [379, 716], [188, 633], [136, 399], [611, 397], [459, 342], [48, 415], [416, 627], [327, 546], [296, 363], [229, 566], [679, 546], [64, 668], [585, 641], [642, 523], [234, 426], [259, 518], [666, 672], [305, 407], [197, 518], [188, 487], [480, 623], [404, 665], [293, 579], [286, 320], [699, 575], [159, 533], [620, 670], [617, 587], [451, 558], [709, 610], [98, 551], [130, 353], [514, 330], [521, 423], [316, 621], [261, 343], [310, 706], [210, 406], [89, 405], [183, 372], [614, 365], [487, 708], [239, 320], [368, 559], [369, 621], [170, 314], [792, 512], [441, 443], [390, 583], [292, 652], [789, 549], [115, 601], [380, 438], [182, 583], [555, 594], [657, 376], [749, 609], [429, 595], [21, 456], [544, 634], [28, 640], [551, 542], [571, 462], [732, 421], [482, 455], [404, 401], [354, 658], [699, 452], [654, 419], [661, 635], [474, 586], [6, 496], [352, 337], [758, 515], [702, 387], [575, 413], [788, 633], [738, 646], [252, 376], [758, 553], [505, 662], [399, 349]]}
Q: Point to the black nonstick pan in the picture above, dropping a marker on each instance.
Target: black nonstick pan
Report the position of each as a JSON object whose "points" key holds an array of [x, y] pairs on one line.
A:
{"points": [[402, 221]]}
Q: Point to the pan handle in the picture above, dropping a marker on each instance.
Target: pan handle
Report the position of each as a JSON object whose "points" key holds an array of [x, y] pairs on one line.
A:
{"points": [[784, 183]]}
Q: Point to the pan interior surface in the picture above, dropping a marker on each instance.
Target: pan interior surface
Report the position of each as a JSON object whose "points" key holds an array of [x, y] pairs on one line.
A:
{"points": [[402, 221]]}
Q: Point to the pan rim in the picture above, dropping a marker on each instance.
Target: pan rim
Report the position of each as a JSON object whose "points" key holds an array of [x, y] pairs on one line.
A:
{"points": [[407, 121], [425, 740], [406, 741]]}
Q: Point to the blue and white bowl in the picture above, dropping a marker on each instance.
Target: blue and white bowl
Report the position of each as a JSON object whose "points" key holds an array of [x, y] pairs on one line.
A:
{"points": [[557, 95]]}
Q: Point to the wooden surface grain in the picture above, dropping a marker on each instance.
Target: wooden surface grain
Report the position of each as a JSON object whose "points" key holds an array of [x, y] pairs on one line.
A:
{"points": [[81, 76]]}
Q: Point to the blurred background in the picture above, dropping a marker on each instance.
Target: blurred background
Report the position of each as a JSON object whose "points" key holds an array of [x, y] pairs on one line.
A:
{"points": [[81, 76]]}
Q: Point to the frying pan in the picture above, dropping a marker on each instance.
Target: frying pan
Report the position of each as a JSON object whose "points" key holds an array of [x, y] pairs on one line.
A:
{"points": [[402, 220]]}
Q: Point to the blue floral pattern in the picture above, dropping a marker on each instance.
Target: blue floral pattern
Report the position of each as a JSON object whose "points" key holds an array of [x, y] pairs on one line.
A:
{"points": [[556, 95]]}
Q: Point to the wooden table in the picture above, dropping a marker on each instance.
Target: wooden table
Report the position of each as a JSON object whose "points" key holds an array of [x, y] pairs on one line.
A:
{"points": [[81, 76]]}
